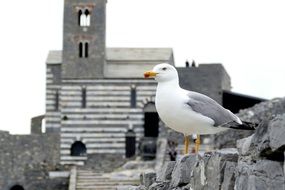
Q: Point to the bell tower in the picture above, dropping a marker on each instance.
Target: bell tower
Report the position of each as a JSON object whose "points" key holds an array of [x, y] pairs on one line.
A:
{"points": [[84, 41]]}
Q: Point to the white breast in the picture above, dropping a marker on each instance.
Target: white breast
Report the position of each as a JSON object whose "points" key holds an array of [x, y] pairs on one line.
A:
{"points": [[176, 114]]}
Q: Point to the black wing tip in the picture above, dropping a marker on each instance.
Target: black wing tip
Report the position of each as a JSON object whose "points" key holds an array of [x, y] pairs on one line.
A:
{"points": [[244, 126], [249, 125]]}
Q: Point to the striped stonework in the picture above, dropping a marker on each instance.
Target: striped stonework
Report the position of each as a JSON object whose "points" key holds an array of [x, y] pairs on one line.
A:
{"points": [[52, 116], [101, 125]]}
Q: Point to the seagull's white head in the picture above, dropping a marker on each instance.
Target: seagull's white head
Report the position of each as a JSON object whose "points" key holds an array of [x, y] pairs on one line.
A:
{"points": [[163, 72]]}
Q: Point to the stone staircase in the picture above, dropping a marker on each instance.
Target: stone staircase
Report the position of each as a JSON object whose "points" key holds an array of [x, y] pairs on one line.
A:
{"points": [[92, 180]]}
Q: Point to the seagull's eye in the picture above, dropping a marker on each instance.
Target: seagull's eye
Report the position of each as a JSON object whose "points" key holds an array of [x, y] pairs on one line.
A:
{"points": [[164, 68]]}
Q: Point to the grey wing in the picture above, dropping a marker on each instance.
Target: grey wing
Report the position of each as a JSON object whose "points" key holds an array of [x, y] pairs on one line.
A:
{"points": [[208, 107]]}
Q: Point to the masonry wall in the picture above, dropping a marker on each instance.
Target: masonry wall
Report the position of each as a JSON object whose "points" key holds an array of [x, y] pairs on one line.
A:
{"points": [[94, 35], [101, 125], [26, 159], [209, 79], [53, 81]]}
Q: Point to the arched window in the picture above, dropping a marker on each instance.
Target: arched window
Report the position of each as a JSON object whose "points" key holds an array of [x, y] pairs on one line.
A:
{"points": [[86, 49], [78, 149], [84, 18], [79, 17], [88, 17], [80, 49], [17, 187]]}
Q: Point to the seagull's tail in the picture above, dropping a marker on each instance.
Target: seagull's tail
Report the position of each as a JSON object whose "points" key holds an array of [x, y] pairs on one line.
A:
{"points": [[244, 126]]}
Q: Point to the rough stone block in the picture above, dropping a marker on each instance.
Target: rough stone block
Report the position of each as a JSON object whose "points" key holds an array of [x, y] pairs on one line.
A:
{"points": [[183, 170], [262, 175], [165, 172], [148, 178], [160, 186], [127, 187], [229, 176], [198, 179], [215, 167], [268, 141], [277, 133], [243, 146]]}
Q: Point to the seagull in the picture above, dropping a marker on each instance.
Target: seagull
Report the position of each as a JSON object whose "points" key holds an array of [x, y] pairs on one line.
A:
{"points": [[189, 112]]}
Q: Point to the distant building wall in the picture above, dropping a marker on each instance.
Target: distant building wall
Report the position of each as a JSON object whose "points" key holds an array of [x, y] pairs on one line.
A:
{"points": [[53, 81], [208, 79], [26, 160]]}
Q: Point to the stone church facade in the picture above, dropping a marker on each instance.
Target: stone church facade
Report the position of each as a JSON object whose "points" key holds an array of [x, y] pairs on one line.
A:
{"points": [[94, 94]]}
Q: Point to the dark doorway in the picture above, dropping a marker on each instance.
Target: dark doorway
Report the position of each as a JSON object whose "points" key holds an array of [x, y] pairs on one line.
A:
{"points": [[78, 149], [151, 121], [17, 187]]}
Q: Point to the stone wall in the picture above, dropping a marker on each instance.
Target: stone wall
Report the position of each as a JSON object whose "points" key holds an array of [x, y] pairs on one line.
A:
{"points": [[258, 163], [26, 160]]}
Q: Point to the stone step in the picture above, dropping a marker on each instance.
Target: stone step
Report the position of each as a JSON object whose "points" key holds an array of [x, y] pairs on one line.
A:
{"points": [[100, 176], [81, 182], [98, 188], [77, 163], [73, 158], [91, 177]]}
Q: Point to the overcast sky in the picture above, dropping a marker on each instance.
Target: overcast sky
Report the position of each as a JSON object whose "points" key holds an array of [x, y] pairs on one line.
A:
{"points": [[246, 36]]}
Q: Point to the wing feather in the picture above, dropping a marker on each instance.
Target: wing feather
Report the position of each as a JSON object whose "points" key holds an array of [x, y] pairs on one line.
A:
{"points": [[210, 108]]}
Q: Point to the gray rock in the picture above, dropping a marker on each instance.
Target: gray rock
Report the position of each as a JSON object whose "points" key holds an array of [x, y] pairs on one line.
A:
{"points": [[159, 186], [262, 175], [127, 187], [216, 165], [141, 187], [165, 172], [147, 178], [198, 179], [277, 133], [268, 141], [256, 114], [229, 176], [244, 145], [188, 187], [183, 169]]}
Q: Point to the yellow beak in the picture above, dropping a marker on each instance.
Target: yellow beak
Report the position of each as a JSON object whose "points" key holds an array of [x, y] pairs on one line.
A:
{"points": [[149, 74]]}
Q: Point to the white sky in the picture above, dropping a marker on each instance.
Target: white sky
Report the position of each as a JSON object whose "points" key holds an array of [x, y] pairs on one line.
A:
{"points": [[247, 36]]}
